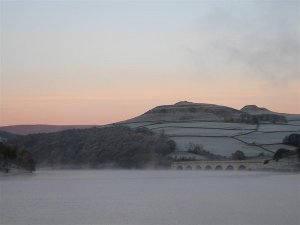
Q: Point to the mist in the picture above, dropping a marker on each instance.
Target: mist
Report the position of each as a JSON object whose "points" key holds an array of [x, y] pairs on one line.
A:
{"points": [[132, 197]]}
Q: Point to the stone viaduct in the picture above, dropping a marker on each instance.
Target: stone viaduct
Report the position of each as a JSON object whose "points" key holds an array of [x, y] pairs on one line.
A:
{"points": [[219, 165]]}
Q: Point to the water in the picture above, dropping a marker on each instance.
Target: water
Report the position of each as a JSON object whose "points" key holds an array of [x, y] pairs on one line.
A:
{"points": [[90, 197]]}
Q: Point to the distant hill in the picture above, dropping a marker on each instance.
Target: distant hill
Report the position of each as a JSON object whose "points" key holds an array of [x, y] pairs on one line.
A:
{"points": [[255, 110], [260, 111], [34, 129], [115, 146]]}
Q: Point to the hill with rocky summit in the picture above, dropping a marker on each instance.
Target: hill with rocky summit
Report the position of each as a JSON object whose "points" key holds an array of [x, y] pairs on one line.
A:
{"points": [[189, 111], [185, 111]]}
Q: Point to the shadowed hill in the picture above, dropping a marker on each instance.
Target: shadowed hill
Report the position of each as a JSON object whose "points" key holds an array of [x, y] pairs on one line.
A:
{"points": [[116, 146]]}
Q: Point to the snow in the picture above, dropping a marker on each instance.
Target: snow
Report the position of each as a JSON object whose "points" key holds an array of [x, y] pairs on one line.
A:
{"points": [[205, 124], [265, 138], [278, 127], [219, 133], [220, 146], [274, 148], [200, 132]]}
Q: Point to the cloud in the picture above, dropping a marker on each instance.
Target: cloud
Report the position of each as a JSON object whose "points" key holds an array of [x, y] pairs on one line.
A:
{"points": [[257, 39]]}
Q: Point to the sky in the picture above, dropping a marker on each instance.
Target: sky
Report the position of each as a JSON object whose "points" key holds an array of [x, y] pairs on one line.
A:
{"points": [[98, 62]]}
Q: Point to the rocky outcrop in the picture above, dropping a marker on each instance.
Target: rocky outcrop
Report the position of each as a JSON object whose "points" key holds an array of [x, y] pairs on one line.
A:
{"points": [[261, 114], [254, 109]]}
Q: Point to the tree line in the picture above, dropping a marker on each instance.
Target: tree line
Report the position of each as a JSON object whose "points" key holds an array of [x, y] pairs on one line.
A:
{"points": [[12, 157], [114, 146]]}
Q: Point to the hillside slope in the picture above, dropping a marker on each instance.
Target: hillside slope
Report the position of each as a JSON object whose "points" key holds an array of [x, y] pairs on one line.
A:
{"points": [[116, 146], [219, 129], [5, 136], [188, 111]]}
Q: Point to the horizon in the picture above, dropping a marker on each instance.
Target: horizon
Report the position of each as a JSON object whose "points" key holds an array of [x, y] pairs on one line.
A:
{"points": [[100, 62], [45, 124]]}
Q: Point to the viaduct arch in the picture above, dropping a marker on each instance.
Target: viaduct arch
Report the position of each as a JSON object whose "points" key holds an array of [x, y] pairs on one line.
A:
{"points": [[218, 165]]}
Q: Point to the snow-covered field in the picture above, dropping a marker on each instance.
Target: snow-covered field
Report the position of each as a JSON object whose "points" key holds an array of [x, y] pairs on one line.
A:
{"points": [[204, 124], [265, 138], [294, 122], [278, 127], [275, 147], [138, 124], [220, 145], [293, 117], [200, 131], [224, 138]]}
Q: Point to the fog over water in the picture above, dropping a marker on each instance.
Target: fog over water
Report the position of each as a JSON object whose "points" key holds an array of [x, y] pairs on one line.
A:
{"points": [[90, 197]]}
